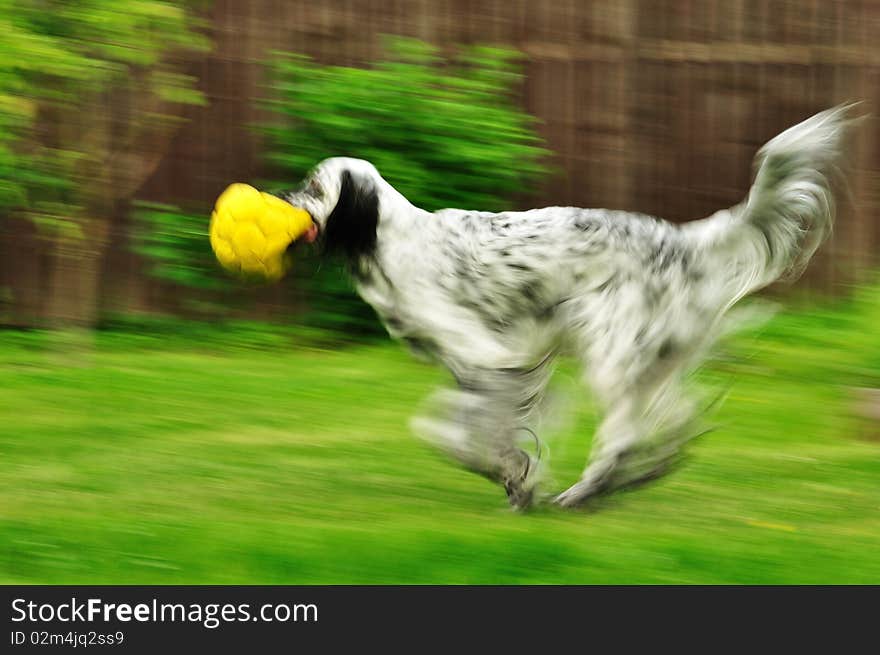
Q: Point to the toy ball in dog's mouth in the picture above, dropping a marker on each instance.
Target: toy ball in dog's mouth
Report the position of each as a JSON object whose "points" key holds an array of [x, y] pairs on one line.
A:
{"points": [[251, 230]]}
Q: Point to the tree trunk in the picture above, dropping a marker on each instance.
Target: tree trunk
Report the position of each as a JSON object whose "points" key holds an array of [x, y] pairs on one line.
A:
{"points": [[73, 293]]}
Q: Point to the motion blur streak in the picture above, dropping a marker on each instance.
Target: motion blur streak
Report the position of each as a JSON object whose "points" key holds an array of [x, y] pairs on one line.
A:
{"points": [[637, 300], [164, 422]]}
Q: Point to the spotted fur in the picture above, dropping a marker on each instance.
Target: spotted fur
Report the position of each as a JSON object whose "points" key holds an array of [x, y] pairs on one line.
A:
{"points": [[494, 296]]}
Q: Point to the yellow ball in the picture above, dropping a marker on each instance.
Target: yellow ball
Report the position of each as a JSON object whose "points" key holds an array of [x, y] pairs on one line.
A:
{"points": [[251, 230]]}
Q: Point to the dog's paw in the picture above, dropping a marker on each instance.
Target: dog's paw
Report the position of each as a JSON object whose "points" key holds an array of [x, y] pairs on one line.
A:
{"points": [[521, 484], [596, 480], [577, 494]]}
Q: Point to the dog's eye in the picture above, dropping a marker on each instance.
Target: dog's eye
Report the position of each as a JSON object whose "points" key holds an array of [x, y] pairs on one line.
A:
{"points": [[314, 189]]}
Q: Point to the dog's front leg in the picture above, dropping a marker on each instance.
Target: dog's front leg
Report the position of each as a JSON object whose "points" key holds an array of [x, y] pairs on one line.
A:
{"points": [[478, 423]]}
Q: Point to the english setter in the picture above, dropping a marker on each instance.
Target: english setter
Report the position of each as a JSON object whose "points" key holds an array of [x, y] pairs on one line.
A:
{"points": [[494, 296]]}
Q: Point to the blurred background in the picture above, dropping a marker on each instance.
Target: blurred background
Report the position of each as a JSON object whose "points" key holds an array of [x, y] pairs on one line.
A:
{"points": [[161, 422]]}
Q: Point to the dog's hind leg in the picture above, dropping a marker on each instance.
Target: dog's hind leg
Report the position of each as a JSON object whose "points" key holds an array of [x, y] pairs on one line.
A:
{"points": [[640, 434], [619, 431]]}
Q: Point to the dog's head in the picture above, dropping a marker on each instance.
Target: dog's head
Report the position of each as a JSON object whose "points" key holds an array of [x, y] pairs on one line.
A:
{"points": [[343, 197], [340, 205]]}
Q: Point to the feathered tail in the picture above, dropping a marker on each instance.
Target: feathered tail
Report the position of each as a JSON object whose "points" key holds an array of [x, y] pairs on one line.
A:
{"points": [[789, 210]]}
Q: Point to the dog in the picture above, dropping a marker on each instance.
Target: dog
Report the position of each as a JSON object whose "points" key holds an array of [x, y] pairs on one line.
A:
{"points": [[638, 300]]}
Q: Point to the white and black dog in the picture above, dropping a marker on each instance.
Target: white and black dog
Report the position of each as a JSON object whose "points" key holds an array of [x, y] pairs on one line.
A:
{"points": [[494, 296]]}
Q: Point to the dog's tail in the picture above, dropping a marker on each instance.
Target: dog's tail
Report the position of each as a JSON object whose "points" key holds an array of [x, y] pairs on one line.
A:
{"points": [[789, 210]]}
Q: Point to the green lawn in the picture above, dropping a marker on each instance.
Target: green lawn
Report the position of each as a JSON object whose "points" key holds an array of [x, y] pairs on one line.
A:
{"points": [[171, 463]]}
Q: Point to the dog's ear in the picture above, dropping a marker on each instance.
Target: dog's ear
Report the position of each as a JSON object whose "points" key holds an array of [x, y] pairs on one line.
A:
{"points": [[351, 227]]}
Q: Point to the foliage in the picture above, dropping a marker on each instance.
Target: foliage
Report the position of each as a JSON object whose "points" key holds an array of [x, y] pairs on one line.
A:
{"points": [[444, 132], [175, 246], [84, 84]]}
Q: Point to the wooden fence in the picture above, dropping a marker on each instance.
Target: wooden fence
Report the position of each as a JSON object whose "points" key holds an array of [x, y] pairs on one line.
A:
{"points": [[657, 107]]}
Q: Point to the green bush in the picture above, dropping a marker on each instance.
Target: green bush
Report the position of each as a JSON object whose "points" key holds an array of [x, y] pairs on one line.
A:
{"points": [[70, 70], [176, 247], [176, 250], [444, 132]]}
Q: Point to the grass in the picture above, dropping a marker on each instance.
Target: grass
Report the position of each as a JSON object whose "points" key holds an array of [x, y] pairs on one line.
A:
{"points": [[134, 462]]}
